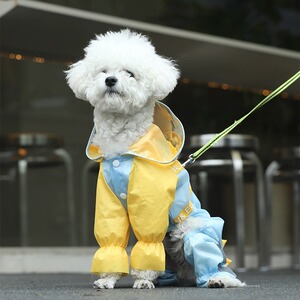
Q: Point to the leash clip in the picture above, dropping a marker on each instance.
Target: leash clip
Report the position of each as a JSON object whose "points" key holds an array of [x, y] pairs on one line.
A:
{"points": [[190, 161]]}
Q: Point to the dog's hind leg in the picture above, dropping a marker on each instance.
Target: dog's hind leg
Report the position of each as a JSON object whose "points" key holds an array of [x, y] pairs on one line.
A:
{"points": [[224, 282]]}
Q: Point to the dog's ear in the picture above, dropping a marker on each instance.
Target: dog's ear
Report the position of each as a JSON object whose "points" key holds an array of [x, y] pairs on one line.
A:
{"points": [[78, 78], [165, 77]]}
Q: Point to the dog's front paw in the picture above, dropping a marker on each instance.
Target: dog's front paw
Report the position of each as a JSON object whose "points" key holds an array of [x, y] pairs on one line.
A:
{"points": [[143, 279], [107, 281], [143, 284], [104, 283], [224, 282]]}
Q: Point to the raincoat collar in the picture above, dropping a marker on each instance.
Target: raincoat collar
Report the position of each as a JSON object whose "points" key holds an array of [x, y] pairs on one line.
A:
{"points": [[162, 143]]}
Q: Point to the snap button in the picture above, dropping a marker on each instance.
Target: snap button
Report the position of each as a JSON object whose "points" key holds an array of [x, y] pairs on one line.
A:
{"points": [[123, 196], [115, 163]]}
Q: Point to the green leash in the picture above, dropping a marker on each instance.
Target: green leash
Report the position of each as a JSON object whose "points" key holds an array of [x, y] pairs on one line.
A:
{"points": [[220, 135]]}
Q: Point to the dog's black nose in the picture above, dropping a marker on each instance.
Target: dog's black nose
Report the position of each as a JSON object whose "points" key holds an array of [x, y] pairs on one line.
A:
{"points": [[111, 81]]}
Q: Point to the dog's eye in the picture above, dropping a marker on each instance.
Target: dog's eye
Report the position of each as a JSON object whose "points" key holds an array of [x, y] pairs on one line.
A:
{"points": [[130, 73], [104, 71]]}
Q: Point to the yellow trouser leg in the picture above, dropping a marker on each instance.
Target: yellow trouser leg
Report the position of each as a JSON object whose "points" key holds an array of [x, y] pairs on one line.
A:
{"points": [[148, 206], [111, 231]]}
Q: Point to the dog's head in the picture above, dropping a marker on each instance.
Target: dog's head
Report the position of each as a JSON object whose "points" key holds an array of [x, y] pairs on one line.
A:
{"points": [[121, 73]]}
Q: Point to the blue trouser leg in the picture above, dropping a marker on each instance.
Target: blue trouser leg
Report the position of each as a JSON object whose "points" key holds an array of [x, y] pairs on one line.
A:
{"points": [[204, 251]]}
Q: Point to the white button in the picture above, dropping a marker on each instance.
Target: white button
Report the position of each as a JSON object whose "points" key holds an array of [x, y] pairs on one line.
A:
{"points": [[123, 196], [115, 163]]}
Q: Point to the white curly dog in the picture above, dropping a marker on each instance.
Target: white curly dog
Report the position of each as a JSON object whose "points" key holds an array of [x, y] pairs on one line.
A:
{"points": [[124, 78]]}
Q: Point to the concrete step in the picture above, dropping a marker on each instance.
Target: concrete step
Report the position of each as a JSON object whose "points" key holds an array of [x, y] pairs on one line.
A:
{"points": [[78, 259]]}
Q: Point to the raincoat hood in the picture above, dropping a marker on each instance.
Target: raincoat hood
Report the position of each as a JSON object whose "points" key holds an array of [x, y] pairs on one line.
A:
{"points": [[162, 143]]}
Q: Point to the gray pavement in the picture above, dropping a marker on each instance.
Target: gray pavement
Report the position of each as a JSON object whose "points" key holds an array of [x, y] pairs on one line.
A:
{"points": [[279, 284]]}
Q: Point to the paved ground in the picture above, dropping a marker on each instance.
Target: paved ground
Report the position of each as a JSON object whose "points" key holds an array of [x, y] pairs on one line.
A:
{"points": [[283, 284]]}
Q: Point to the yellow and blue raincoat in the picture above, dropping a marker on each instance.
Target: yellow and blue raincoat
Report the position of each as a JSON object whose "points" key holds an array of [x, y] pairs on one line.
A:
{"points": [[148, 190]]}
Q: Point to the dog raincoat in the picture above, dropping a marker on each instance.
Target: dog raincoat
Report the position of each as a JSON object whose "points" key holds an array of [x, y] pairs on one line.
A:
{"points": [[148, 190]]}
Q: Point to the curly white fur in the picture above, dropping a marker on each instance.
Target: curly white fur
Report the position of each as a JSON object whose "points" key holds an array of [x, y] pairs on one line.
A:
{"points": [[183, 228], [121, 76], [123, 112], [224, 282], [107, 281], [143, 279]]}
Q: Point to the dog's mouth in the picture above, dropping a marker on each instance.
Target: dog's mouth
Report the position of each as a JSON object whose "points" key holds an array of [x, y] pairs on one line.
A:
{"points": [[112, 92]]}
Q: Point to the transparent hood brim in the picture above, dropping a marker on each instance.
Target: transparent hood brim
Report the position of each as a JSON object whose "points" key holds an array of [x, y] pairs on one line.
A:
{"points": [[166, 120]]}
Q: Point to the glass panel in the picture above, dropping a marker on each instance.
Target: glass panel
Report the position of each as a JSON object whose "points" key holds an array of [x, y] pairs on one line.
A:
{"points": [[275, 23]]}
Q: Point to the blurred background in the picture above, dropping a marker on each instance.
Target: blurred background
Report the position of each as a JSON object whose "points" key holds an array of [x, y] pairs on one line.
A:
{"points": [[231, 53]]}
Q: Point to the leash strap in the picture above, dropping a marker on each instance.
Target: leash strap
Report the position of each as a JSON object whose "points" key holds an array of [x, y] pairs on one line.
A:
{"points": [[220, 135]]}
